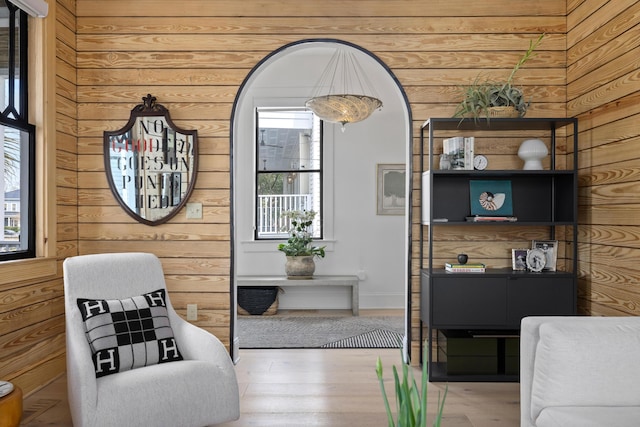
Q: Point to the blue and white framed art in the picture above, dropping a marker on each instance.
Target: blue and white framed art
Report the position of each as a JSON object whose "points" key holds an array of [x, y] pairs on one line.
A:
{"points": [[491, 197]]}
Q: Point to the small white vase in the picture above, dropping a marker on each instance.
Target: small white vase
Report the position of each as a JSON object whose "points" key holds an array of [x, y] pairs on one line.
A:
{"points": [[300, 267], [532, 151]]}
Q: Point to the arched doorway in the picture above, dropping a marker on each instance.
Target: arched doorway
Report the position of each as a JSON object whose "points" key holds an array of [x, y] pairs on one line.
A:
{"points": [[284, 78]]}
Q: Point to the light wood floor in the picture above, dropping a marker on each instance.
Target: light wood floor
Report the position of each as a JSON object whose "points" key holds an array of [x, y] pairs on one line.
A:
{"points": [[320, 387], [325, 387]]}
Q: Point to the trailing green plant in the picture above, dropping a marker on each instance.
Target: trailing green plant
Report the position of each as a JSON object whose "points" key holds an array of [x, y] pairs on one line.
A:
{"points": [[300, 236], [479, 96], [411, 401]]}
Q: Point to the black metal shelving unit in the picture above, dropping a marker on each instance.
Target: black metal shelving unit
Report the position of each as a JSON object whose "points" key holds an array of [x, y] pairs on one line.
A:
{"points": [[473, 319]]}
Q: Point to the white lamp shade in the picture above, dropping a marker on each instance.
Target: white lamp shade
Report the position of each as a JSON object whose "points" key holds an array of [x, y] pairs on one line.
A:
{"points": [[532, 151], [340, 93], [343, 108]]}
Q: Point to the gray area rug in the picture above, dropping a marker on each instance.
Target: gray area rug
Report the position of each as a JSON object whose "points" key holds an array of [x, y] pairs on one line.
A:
{"points": [[320, 332]]}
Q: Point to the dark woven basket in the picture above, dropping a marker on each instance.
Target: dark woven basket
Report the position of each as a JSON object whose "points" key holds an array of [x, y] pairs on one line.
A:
{"points": [[256, 299]]}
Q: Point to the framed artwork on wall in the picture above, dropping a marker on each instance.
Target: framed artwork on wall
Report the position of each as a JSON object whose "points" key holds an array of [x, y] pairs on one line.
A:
{"points": [[391, 184]]}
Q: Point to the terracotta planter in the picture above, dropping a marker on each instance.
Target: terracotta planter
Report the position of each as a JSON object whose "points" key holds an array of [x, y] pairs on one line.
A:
{"points": [[300, 267]]}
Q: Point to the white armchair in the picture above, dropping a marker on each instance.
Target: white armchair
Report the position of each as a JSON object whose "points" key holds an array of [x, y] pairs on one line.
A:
{"points": [[198, 391]]}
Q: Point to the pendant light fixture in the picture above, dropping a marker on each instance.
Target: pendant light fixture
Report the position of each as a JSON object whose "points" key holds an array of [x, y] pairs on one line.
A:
{"points": [[343, 93]]}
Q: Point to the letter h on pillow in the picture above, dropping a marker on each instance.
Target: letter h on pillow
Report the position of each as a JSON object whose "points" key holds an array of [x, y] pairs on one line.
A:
{"points": [[129, 333]]}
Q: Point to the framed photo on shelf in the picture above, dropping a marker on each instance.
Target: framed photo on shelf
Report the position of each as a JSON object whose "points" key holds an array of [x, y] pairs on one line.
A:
{"points": [[550, 249], [491, 197], [519, 259], [391, 185]]}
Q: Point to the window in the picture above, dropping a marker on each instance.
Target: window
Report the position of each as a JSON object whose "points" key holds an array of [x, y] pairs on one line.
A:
{"points": [[288, 169], [17, 136]]}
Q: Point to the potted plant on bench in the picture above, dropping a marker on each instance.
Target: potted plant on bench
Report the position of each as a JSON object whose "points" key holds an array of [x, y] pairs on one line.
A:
{"points": [[299, 249]]}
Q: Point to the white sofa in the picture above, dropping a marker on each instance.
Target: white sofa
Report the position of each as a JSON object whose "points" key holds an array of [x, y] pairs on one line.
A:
{"points": [[580, 372]]}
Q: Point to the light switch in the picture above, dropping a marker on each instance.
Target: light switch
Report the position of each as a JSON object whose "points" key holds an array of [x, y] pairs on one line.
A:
{"points": [[192, 311], [194, 210]]}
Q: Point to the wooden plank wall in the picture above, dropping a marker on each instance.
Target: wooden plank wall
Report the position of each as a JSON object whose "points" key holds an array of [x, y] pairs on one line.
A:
{"points": [[194, 54], [32, 340], [603, 91]]}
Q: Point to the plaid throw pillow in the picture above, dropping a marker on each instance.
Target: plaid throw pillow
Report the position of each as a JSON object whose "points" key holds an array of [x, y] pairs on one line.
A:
{"points": [[129, 333]]}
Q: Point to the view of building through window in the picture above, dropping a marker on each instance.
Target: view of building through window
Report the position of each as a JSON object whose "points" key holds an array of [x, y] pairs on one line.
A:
{"points": [[11, 196], [288, 169], [17, 138]]}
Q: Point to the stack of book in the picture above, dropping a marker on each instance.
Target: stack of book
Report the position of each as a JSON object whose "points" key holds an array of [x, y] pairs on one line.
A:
{"points": [[476, 267]]}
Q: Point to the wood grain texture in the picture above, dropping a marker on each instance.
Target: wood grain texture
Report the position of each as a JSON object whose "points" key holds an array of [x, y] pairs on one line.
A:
{"points": [[603, 90], [194, 54], [321, 25], [626, 236], [338, 389], [430, 57], [31, 312], [331, 8]]}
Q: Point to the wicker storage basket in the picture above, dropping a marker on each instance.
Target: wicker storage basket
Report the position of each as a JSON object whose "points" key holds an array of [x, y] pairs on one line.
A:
{"points": [[509, 111], [257, 300]]}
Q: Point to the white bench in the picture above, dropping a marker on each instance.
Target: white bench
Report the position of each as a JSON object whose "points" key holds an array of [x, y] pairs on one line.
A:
{"points": [[283, 281]]}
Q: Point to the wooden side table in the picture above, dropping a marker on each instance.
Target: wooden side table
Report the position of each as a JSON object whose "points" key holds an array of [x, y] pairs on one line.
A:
{"points": [[11, 408]]}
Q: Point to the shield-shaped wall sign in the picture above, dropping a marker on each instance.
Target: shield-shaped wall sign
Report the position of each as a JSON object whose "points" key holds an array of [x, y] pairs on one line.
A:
{"points": [[151, 163]]}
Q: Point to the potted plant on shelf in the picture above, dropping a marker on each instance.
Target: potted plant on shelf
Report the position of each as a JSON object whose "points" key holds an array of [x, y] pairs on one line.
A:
{"points": [[299, 249], [492, 98]]}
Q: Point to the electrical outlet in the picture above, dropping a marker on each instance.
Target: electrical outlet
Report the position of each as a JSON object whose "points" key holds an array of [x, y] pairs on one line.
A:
{"points": [[192, 311], [194, 210]]}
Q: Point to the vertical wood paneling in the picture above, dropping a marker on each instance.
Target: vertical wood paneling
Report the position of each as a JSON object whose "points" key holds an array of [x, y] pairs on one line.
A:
{"points": [[603, 74]]}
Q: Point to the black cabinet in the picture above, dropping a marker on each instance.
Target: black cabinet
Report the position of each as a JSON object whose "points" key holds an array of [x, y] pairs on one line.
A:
{"points": [[494, 300], [467, 301], [548, 295], [472, 320]]}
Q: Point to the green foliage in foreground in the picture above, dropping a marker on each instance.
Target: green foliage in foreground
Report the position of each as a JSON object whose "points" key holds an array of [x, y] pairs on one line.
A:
{"points": [[411, 401]]}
